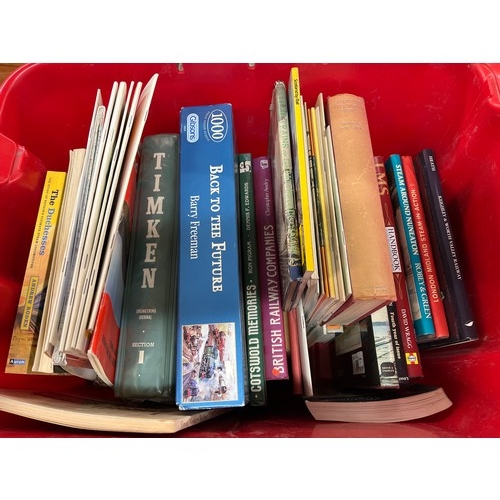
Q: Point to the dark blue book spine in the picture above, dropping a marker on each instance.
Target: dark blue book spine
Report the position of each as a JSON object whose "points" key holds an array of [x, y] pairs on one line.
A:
{"points": [[455, 299]]}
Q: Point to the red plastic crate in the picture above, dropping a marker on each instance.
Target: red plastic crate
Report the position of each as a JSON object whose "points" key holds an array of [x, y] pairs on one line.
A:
{"points": [[451, 108]]}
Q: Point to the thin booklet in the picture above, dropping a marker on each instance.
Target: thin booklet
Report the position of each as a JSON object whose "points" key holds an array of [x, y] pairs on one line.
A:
{"points": [[66, 270], [136, 120], [118, 145], [92, 214], [43, 357], [103, 198]]}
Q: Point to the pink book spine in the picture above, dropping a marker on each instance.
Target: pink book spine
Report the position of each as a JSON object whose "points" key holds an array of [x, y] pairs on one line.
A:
{"points": [[273, 323]]}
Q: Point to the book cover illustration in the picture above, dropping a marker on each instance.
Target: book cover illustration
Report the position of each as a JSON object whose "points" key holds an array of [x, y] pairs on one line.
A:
{"points": [[210, 290], [209, 363], [386, 358], [32, 298], [364, 354]]}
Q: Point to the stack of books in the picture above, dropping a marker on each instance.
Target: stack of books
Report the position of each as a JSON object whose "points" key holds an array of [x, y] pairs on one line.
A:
{"points": [[318, 262]]}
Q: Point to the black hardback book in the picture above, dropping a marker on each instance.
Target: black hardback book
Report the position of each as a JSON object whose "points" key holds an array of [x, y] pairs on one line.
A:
{"points": [[456, 302]]}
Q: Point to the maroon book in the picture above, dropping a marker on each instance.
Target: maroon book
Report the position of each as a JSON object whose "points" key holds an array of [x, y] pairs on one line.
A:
{"points": [[407, 337], [273, 322]]}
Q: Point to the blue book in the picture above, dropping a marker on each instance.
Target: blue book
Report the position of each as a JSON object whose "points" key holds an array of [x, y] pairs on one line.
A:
{"points": [[417, 289], [211, 353]]}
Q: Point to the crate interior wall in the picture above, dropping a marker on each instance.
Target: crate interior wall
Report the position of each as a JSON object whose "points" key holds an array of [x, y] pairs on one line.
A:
{"points": [[452, 108]]}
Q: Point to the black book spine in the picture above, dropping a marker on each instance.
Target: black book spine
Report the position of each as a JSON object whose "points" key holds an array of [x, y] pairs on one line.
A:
{"points": [[399, 355], [457, 307]]}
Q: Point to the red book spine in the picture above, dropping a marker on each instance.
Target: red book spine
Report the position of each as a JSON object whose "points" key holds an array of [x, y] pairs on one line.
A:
{"points": [[408, 337], [296, 367], [425, 249]]}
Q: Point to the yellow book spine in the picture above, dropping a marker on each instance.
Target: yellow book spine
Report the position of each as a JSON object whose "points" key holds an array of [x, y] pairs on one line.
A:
{"points": [[328, 250], [297, 126], [30, 306]]}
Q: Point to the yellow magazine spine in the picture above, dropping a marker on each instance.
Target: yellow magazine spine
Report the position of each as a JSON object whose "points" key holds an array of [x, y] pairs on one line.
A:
{"points": [[316, 222], [30, 307], [301, 166], [323, 203]]}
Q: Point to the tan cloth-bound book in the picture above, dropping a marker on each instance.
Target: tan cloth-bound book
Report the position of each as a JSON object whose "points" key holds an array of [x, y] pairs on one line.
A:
{"points": [[370, 269]]}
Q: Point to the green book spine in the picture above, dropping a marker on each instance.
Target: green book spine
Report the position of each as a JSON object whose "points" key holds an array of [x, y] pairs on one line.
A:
{"points": [[253, 309], [284, 195], [147, 348]]}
